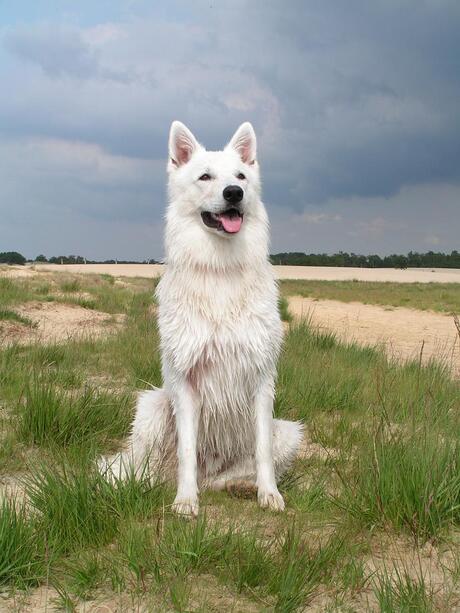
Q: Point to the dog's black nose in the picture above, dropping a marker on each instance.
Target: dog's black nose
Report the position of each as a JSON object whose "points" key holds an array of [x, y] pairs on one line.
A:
{"points": [[233, 194]]}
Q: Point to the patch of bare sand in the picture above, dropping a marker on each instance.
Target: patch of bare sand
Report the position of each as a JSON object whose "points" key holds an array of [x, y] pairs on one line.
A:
{"points": [[430, 564], [401, 331], [394, 275], [115, 270], [54, 322], [324, 273], [392, 557], [11, 488], [46, 599], [428, 561], [205, 593]]}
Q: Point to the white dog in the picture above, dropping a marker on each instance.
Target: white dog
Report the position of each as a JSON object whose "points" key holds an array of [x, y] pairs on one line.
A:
{"points": [[220, 333]]}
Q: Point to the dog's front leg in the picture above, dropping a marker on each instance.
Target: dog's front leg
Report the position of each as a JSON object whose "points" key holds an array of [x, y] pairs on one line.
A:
{"points": [[267, 490], [186, 414]]}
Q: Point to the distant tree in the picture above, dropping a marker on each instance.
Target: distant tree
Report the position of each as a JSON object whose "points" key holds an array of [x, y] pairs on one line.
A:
{"points": [[411, 260], [374, 261], [41, 258], [12, 257], [67, 259]]}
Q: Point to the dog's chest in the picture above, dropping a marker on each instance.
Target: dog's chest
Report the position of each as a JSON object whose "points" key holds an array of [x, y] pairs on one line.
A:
{"points": [[232, 357], [219, 332]]}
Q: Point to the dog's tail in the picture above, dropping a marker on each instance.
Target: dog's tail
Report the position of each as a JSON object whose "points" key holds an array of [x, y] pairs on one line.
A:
{"points": [[151, 443]]}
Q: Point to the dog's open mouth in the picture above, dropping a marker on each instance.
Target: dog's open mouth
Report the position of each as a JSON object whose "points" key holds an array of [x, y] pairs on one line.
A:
{"points": [[229, 221]]}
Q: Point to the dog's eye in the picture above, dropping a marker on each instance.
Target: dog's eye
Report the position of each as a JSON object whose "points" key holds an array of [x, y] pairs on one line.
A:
{"points": [[241, 176], [205, 177]]}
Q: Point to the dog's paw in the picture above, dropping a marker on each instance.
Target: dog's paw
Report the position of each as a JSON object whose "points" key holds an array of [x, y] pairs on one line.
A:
{"points": [[270, 499], [186, 507]]}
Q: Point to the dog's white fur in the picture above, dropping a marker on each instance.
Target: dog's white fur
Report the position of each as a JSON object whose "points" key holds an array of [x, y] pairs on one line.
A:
{"points": [[220, 336]]}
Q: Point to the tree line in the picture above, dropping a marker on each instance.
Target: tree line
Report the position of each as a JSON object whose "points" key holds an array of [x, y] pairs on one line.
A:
{"points": [[413, 259], [431, 259], [13, 257], [78, 259]]}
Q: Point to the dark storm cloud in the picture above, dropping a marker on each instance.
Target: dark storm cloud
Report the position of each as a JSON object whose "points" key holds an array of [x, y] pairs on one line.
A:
{"points": [[58, 51], [370, 99], [350, 101]]}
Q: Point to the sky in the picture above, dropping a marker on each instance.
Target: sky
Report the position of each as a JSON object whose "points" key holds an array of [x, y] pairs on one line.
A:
{"points": [[356, 106]]}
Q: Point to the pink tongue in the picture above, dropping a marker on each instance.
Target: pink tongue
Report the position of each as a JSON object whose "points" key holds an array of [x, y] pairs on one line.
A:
{"points": [[231, 224]]}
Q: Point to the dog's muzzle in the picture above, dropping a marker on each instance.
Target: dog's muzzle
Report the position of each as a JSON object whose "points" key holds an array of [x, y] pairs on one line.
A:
{"points": [[229, 221]]}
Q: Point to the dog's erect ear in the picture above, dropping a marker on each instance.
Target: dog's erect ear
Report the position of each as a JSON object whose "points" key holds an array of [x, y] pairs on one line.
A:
{"points": [[182, 144], [245, 143]]}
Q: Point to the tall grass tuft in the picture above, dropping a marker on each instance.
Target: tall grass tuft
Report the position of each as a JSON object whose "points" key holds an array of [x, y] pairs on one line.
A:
{"points": [[188, 546], [300, 569], [48, 416], [402, 592], [139, 554], [138, 345], [248, 559], [411, 482], [85, 572], [78, 507], [21, 550], [71, 285], [317, 373], [283, 308], [11, 291]]}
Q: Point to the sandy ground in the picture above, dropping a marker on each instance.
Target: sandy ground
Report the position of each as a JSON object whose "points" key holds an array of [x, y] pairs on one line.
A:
{"points": [[326, 273], [399, 330], [56, 322], [336, 273], [206, 594]]}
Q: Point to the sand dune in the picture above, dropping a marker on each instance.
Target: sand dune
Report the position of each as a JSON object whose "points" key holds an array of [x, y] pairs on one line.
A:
{"points": [[332, 273]]}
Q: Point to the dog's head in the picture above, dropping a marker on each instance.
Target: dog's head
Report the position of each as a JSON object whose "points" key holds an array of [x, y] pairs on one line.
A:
{"points": [[219, 190]]}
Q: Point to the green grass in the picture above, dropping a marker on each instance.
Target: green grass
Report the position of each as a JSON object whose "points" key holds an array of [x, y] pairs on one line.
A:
{"points": [[48, 416], [320, 377], [389, 465], [85, 573], [76, 507], [10, 291], [443, 297], [410, 482], [71, 285], [302, 569], [105, 295], [283, 570], [22, 559], [399, 591], [8, 315], [308, 497], [283, 307]]}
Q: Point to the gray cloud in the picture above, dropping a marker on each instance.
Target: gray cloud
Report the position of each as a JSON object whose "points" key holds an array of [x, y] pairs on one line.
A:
{"points": [[354, 104], [59, 51]]}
